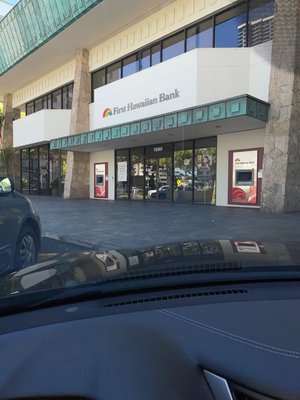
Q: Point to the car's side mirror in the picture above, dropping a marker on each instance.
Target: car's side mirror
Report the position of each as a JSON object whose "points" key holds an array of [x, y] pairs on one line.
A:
{"points": [[6, 185]]}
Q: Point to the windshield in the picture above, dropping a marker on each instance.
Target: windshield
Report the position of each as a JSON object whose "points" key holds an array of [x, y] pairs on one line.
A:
{"points": [[158, 148]]}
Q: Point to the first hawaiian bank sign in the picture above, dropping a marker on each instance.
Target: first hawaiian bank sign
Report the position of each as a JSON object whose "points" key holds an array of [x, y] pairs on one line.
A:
{"points": [[132, 106]]}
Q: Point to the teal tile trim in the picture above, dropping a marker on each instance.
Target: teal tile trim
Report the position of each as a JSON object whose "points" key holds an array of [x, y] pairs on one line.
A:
{"points": [[171, 121], [262, 112], [125, 130], [135, 128], [116, 132], [146, 126], [32, 23], [106, 134], [158, 124], [77, 140], [83, 138], [98, 136], [91, 137], [217, 111], [235, 107], [251, 108], [184, 118], [200, 115]]}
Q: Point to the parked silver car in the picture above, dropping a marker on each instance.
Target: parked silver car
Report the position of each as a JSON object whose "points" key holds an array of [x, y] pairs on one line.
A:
{"points": [[20, 229]]}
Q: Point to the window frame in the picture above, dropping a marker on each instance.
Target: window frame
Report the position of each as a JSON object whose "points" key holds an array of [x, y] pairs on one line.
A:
{"points": [[149, 47], [47, 99]]}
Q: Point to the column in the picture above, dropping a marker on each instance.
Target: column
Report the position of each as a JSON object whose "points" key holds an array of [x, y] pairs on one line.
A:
{"points": [[10, 156], [281, 179], [78, 163]]}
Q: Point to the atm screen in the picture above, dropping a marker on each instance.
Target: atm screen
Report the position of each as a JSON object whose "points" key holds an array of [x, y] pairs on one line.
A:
{"points": [[100, 180], [244, 177]]}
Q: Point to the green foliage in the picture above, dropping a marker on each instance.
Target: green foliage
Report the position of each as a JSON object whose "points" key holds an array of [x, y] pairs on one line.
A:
{"points": [[6, 155]]}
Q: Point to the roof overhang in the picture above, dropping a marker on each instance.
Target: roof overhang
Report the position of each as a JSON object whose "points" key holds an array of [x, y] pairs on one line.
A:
{"points": [[238, 114], [99, 20]]}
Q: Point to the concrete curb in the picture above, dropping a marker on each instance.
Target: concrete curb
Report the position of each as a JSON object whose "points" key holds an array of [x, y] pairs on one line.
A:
{"points": [[68, 239]]}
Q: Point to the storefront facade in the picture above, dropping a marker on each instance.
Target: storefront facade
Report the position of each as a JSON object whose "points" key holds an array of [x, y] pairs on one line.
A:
{"points": [[172, 108], [181, 172], [42, 171]]}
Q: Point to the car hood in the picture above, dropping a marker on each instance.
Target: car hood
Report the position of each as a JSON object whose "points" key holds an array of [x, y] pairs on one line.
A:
{"points": [[174, 258]]}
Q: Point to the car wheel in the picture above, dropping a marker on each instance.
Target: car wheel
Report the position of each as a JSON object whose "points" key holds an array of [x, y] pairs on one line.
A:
{"points": [[26, 249]]}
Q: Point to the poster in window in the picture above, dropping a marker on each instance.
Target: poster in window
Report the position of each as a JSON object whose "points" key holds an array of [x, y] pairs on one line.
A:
{"points": [[122, 171]]}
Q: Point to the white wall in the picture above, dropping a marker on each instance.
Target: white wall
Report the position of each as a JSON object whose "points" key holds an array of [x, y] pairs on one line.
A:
{"points": [[260, 70], [222, 73], [201, 76], [41, 85], [233, 141], [41, 126], [178, 73], [175, 15], [103, 156]]}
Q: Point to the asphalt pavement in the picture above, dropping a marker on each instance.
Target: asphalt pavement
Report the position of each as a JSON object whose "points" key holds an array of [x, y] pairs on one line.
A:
{"points": [[119, 224]]}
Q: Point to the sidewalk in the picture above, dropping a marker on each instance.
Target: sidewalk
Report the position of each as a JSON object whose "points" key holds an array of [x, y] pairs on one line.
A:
{"points": [[115, 224]]}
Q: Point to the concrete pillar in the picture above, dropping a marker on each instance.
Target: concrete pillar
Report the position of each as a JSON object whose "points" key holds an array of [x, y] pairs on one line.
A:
{"points": [[78, 163], [11, 157], [281, 179]]}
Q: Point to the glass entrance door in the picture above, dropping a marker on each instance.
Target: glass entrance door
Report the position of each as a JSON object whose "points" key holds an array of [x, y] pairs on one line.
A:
{"points": [[158, 178]]}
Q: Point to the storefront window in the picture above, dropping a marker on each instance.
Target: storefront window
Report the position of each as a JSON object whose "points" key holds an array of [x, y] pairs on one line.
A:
{"points": [[113, 72], [49, 101], [158, 172], [57, 99], [98, 79], [63, 170], [231, 27], [145, 61], [65, 98], [34, 171], [261, 16], [44, 169], [30, 108], [43, 172], [38, 104], [137, 174], [200, 36], [183, 172], [25, 171], [205, 172], [122, 184], [173, 46], [130, 65], [155, 54], [54, 167]]}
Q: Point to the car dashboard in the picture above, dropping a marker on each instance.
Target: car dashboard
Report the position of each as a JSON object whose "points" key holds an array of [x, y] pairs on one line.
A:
{"points": [[235, 342]]}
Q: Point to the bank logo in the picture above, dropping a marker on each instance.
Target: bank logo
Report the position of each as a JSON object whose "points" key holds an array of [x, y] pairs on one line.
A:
{"points": [[107, 112]]}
